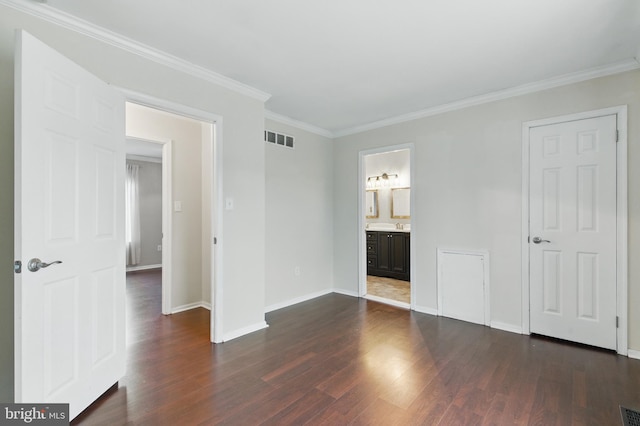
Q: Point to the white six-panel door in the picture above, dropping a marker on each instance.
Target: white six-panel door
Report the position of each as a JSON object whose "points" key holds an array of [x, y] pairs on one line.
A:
{"points": [[573, 231], [69, 174]]}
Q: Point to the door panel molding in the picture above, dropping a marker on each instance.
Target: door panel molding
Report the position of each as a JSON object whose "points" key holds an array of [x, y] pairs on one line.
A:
{"points": [[621, 215]]}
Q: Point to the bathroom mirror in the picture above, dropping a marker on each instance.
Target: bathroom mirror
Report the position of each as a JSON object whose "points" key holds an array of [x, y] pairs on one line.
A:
{"points": [[400, 203], [371, 204]]}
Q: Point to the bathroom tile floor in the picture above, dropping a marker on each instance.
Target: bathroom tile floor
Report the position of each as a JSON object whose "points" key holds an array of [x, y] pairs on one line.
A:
{"points": [[389, 288]]}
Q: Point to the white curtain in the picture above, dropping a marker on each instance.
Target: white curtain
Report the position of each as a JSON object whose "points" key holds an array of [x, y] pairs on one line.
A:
{"points": [[132, 222]]}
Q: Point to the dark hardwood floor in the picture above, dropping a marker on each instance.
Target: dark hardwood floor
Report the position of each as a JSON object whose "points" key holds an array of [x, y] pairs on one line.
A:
{"points": [[340, 360]]}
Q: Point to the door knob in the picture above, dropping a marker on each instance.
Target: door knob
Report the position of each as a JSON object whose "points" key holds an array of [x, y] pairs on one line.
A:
{"points": [[35, 264], [538, 240]]}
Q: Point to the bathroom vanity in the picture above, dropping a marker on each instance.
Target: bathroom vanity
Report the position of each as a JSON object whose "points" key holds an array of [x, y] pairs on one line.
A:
{"points": [[388, 253]]}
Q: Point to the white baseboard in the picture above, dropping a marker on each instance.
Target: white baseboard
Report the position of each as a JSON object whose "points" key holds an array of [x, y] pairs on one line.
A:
{"points": [[244, 330], [296, 300], [425, 310], [506, 327], [387, 301], [142, 267], [346, 292], [631, 353], [189, 306]]}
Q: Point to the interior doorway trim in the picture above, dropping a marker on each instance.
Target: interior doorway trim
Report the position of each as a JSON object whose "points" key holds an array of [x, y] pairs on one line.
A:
{"points": [[217, 283], [362, 237], [621, 215], [167, 220]]}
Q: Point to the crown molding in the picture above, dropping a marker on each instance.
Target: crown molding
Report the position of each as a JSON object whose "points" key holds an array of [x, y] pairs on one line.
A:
{"points": [[563, 80], [297, 124], [70, 22], [65, 20]]}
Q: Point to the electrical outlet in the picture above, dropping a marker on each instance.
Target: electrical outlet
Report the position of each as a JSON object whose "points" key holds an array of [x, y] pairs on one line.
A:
{"points": [[296, 271], [159, 247]]}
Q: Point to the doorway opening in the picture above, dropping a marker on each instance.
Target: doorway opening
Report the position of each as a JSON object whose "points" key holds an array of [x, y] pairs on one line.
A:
{"points": [[148, 210], [186, 147], [385, 219]]}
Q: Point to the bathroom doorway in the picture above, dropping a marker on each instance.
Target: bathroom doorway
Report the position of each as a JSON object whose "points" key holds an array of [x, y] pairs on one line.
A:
{"points": [[385, 219]]}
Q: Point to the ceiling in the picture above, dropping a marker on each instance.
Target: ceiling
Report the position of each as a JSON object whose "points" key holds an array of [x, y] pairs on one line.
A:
{"points": [[342, 65]]}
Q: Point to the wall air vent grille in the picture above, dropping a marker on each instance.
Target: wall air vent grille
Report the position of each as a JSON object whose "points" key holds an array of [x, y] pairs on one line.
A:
{"points": [[278, 139], [630, 417]]}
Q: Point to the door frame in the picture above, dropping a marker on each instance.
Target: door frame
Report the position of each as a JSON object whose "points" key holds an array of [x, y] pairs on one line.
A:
{"points": [[362, 236], [167, 219], [621, 216], [216, 220]]}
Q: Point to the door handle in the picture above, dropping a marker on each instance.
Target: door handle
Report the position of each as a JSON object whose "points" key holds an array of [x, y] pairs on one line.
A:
{"points": [[538, 240], [36, 264]]}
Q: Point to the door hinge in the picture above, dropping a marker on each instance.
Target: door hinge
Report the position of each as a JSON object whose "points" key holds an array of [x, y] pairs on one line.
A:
{"points": [[617, 135], [215, 240], [617, 322], [17, 267]]}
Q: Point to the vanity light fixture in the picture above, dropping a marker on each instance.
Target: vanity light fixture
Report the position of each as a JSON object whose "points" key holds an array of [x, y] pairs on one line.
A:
{"points": [[381, 180]]}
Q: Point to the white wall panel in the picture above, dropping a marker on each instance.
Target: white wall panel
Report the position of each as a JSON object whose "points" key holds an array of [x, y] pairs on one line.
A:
{"points": [[299, 229], [463, 285]]}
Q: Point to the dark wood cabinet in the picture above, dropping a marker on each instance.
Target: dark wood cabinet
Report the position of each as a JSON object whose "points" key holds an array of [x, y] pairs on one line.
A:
{"points": [[388, 254]]}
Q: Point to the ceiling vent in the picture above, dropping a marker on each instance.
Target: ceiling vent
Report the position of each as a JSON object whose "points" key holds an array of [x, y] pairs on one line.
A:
{"points": [[278, 139]]}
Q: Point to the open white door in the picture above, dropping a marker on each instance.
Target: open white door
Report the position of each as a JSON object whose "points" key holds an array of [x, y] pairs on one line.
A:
{"points": [[69, 207]]}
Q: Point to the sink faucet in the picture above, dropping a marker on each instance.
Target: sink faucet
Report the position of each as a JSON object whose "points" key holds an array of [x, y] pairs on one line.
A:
{"points": [[398, 226]]}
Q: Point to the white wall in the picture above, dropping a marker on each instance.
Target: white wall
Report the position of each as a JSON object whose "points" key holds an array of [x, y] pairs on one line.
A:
{"points": [[150, 193], [186, 137], [395, 162], [468, 188], [299, 186], [243, 165]]}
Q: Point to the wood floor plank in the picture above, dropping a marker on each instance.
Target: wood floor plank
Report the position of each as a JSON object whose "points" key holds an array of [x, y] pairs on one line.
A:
{"points": [[303, 411], [338, 360]]}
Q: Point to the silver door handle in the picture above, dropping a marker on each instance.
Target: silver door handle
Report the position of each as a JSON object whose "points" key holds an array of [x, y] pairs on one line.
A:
{"points": [[35, 264], [538, 240]]}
